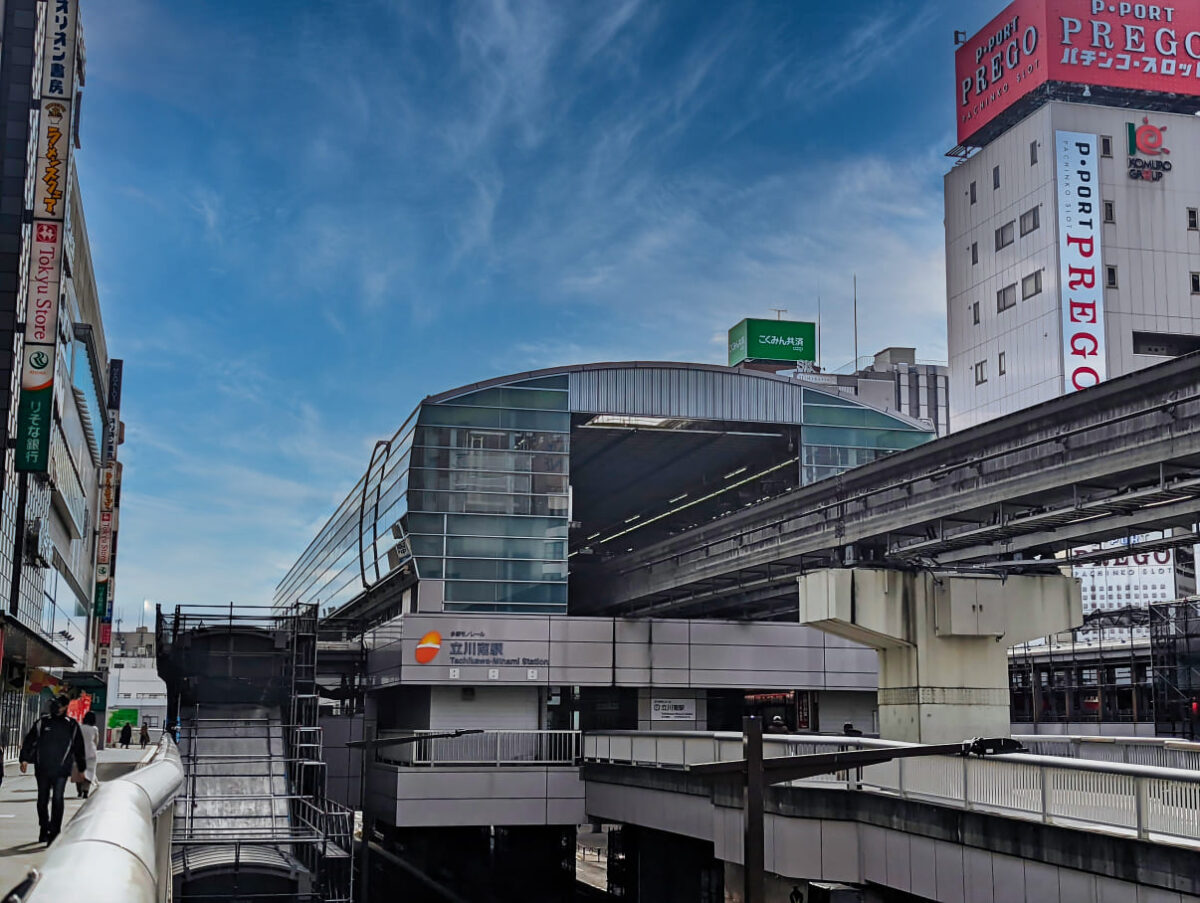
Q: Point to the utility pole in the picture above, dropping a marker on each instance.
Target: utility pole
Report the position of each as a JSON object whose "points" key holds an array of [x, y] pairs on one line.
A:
{"points": [[856, 322], [754, 841]]}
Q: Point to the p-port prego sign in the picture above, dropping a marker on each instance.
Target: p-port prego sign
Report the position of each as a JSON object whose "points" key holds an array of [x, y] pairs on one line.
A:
{"points": [[1081, 265], [1151, 47]]}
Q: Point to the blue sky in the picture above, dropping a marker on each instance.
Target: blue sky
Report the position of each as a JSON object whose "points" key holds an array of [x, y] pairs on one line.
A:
{"points": [[307, 215]]}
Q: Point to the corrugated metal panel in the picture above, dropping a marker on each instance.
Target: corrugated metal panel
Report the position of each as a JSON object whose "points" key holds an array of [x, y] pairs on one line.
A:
{"points": [[685, 392]]}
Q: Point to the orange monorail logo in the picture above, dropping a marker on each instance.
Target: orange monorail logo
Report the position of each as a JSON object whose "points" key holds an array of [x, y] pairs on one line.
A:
{"points": [[429, 647]]}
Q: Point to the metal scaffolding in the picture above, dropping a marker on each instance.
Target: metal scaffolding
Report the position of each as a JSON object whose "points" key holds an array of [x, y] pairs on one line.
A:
{"points": [[1175, 649], [253, 822]]}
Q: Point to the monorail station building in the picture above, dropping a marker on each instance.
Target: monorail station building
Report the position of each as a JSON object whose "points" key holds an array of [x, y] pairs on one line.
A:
{"points": [[467, 575]]}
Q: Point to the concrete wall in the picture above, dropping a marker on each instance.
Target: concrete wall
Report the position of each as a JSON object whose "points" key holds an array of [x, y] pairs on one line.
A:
{"points": [[854, 852], [1149, 243], [491, 708], [836, 707], [575, 651], [344, 765], [465, 796]]}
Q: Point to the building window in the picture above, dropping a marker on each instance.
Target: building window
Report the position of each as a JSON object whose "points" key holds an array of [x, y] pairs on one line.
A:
{"points": [[1031, 285], [995, 177], [1110, 277], [981, 373], [974, 253], [1193, 219], [1000, 366], [1106, 145], [1110, 212], [1030, 220], [975, 313], [1006, 297], [1005, 235], [1196, 283], [973, 193], [1033, 153]]}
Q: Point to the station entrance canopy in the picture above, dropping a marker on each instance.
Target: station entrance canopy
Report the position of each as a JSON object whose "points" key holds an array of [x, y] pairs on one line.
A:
{"points": [[510, 495]]}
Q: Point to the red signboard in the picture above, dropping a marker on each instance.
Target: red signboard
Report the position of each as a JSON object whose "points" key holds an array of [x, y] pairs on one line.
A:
{"points": [[1138, 46]]}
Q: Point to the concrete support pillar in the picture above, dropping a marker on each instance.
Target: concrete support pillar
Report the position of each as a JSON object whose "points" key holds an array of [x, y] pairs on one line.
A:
{"points": [[942, 638]]}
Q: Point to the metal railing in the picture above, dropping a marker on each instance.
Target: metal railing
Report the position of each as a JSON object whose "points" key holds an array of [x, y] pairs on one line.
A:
{"points": [[119, 842], [1160, 752], [484, 748], [1148, 802]]}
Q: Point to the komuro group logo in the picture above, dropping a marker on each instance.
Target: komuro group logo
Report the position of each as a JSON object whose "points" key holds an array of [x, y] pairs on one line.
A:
{"points": [[429, 647], [1149, 141]]}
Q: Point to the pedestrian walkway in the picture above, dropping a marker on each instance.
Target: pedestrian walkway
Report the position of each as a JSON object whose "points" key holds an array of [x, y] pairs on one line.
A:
{"points": [[19, 847]]}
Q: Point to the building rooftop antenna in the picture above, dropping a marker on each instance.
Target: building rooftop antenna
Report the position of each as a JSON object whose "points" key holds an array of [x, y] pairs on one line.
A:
{"points": [[779, 312]]}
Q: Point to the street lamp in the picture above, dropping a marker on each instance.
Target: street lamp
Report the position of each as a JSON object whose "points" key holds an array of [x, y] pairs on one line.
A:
{"points": [[756, 773], [372, 745]]}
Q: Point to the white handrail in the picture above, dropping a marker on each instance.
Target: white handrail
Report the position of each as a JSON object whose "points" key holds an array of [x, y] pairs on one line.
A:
{"points": [[116, 839], [1165, 752], [1146, 801], [488, 747]]}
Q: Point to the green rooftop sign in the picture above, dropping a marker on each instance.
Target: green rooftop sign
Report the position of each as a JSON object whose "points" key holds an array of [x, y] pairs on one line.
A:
{"points": [[772, 340]]}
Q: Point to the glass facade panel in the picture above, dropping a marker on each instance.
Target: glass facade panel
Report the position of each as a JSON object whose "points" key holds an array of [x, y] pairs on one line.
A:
{"points": [[501, 595], [437, 437], [328, 573], [490, 481], [892, 440], [480, 459], [497, 547], [536, 527], [821, 415], [487, 503], [495, 418], [492, 478], [814, 397], [486, 569], [506, 397]]}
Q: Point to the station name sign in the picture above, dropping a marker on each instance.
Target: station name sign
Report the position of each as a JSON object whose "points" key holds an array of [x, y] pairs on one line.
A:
{"points": [[487, 652], [1139, 46]]}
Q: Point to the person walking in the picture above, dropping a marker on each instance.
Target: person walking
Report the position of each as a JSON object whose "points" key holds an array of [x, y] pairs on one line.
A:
{"points": [[145, 735], [126, 734], [777, 726], [91, 739], [54, 743]]}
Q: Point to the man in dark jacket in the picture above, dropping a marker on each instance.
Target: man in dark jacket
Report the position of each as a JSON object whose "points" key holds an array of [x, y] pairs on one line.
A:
{"points": [[53, 745]]}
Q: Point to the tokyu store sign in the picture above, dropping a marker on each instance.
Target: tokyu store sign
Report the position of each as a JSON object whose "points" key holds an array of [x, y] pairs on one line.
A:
{"points": [[772, 340], [35, 410], [1080, 260]]}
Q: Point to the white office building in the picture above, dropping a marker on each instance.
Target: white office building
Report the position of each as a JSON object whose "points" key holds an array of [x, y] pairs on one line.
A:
{"points": [[1009, 252]]}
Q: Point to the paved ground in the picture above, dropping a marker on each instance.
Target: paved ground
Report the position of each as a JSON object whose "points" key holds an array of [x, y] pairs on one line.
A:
{"points": [[591, 858], [19, 849]]}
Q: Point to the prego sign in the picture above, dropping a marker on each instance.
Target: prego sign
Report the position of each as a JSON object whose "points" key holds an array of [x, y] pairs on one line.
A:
{"points": [[1081, 266], [1140, 46]]}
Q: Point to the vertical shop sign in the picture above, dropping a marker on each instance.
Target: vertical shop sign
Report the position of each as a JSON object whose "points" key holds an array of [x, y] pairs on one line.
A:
{"points": [[35, 409], [1082, 266]]}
